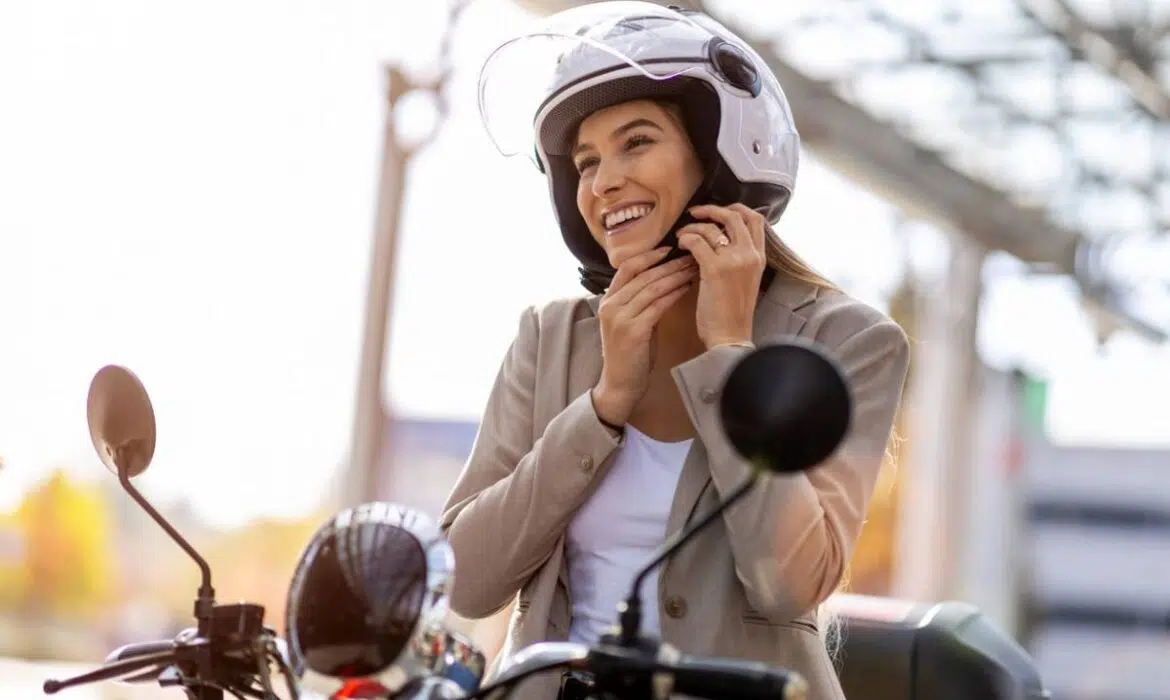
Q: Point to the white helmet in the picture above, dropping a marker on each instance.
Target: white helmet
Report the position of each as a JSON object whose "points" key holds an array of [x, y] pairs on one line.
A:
{"points": [[534, 91]]}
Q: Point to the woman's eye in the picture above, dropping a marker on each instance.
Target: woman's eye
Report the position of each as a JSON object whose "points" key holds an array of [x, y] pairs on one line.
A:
{"points": [[631, 143], [640, 140]]}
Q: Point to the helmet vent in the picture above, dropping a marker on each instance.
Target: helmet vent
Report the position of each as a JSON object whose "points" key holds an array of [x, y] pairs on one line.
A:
{"points": [[733, 66]]}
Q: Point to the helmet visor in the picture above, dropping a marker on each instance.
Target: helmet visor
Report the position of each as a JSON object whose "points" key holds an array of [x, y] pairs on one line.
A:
{"points": [[528, 78]]}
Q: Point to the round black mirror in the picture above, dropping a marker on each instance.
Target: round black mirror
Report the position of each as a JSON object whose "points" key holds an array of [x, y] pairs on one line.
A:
{"points": [[786, 407], [121, 421]]}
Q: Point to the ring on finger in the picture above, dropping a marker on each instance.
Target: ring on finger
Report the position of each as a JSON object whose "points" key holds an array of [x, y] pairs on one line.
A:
{"points": [[723, 241]]}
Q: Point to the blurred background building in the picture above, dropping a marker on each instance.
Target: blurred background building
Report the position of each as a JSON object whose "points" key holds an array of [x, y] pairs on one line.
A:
{"points": [[191, 192]]}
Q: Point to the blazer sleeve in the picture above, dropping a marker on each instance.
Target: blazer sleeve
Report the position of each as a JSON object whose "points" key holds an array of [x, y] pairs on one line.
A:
{"points": [[792, 536], [516, 496]]}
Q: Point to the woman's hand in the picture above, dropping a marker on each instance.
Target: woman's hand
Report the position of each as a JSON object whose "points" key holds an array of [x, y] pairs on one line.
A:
{"points": [[730, 253], [632, 306]]}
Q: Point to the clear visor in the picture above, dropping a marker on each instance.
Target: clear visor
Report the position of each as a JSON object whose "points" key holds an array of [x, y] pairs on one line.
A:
{"points": [[524, 79]]}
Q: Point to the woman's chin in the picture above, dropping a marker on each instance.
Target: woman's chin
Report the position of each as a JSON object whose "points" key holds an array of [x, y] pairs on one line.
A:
{"points": [[619, 252]]}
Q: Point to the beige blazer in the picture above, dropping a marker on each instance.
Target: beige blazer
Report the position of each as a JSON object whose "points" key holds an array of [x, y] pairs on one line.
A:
{"points": [[749, 585]]}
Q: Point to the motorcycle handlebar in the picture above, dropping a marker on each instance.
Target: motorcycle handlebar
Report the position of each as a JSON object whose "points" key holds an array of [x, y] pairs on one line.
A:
{"points": [[693, 676], [240, 662], [743, 680]]}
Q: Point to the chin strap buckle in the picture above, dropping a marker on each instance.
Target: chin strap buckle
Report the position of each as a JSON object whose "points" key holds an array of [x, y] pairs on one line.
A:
{"points": [[594, 280]]}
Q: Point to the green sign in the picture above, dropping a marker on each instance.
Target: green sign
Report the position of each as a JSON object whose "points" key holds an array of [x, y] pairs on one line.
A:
{"points": [[1034, 403]]}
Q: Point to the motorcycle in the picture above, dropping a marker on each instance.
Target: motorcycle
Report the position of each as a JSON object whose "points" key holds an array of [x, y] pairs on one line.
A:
{"points": [[784, 408]]}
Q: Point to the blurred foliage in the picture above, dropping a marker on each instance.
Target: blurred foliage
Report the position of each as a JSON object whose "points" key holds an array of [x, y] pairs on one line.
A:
{"points": [[872, 566], [13, 571], [64, 530], [74, 582]]}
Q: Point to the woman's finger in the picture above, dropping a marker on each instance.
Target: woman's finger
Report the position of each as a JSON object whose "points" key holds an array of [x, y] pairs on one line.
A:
{"points": [[653, 313], [697, 245], [711, 233], [638, 282], [656, 289], [635, 266], [732, 222], [757, 225]]}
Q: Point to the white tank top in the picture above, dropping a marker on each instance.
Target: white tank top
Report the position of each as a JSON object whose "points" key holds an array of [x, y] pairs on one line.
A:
{"points": [[617, 530]]}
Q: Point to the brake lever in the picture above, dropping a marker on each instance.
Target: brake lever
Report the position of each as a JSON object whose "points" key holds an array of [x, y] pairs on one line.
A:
{"points": [[110, 671], [139, 649]]}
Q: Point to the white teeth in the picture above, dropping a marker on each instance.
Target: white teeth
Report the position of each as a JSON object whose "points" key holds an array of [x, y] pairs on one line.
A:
{"points": [[623, 215]]}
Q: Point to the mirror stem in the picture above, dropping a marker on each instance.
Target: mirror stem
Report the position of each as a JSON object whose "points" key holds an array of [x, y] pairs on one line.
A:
{"points": [[206, 600], [630, 611]]}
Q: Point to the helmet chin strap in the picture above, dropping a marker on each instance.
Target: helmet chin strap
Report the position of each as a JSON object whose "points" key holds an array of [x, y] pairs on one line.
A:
{"points": [[703, 195]]}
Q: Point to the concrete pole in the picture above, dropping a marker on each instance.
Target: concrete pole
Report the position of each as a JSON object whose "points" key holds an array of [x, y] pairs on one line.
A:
{"points": [[932, 519], [365, 479], [370, 418]]}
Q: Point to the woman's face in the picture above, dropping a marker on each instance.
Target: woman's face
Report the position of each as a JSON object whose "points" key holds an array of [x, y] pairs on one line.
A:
{"points": [[638, 170]]}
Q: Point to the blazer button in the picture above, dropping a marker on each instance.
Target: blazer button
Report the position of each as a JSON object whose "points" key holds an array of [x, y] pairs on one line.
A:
{"points": [[676, 606], [708, 395], [586, 463]]}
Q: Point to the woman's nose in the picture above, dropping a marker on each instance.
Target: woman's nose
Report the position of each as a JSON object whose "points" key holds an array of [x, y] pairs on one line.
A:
{"points": [[608, 178]]}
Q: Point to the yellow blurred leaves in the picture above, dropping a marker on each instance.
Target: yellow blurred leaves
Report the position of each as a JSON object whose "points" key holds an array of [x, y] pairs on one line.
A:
{"points": [[59, 542]]}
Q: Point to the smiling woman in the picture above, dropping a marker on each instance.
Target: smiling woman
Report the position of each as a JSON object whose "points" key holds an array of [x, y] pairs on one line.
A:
{"points": [[669, 150]]}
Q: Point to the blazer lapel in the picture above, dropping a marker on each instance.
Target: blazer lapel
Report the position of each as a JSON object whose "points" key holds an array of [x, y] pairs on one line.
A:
{"points": [[692, 482], [585, 357]]}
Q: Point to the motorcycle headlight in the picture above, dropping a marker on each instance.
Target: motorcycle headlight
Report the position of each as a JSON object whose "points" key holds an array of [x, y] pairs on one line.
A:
{"points": [[369, 598]]}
